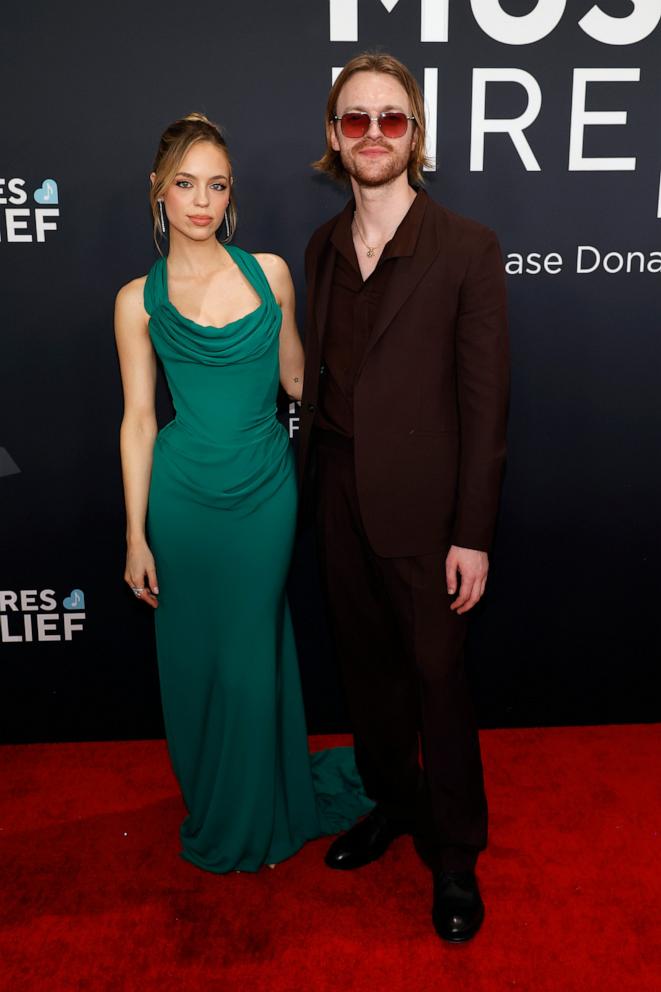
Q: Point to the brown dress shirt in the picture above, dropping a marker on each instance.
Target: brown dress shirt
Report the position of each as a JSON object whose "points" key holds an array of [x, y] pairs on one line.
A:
{"points": [[352, 312]]}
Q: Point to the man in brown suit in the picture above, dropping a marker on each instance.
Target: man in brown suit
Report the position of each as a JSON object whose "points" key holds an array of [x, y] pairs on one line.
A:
{"points": [[404, 405]]}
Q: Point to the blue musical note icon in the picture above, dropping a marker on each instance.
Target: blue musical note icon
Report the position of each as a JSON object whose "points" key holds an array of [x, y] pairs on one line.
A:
{"points": [[76, 601], [47, 192]]}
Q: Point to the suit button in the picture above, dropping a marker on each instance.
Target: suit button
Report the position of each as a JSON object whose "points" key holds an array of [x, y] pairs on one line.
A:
{"points": [[322, 370], [311, 408]]}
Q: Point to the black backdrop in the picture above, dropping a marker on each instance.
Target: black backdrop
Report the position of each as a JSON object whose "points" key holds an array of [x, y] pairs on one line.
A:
{"points": [[568, 632]]}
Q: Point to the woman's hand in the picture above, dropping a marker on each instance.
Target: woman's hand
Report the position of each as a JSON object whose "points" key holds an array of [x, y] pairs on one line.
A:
{"points": [[140, 573]]}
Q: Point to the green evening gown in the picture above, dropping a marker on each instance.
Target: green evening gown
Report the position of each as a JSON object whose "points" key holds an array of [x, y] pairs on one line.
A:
{"points": [[221, 520]]}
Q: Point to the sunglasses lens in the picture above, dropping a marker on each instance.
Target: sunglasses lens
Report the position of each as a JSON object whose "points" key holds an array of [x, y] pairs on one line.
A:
{"points": [[393, 124], [354, 125]]}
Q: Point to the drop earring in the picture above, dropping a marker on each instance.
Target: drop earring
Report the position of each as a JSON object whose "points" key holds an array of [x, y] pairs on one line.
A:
{"points": [[227, 228], [161, 212]]}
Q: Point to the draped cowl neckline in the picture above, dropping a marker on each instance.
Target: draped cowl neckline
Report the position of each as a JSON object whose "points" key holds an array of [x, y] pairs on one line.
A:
{"points": [[179, 338]]}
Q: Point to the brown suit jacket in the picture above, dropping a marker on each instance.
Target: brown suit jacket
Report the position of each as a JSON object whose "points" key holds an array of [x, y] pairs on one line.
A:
{"points": [[430, 398]]}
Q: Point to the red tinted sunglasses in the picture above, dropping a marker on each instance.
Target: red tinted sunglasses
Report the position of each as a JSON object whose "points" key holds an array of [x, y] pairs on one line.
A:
{"points": [[356, 123]]}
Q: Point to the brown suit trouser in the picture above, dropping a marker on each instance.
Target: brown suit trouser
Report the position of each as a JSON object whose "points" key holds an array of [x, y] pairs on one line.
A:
{"points": [[400, 653]]}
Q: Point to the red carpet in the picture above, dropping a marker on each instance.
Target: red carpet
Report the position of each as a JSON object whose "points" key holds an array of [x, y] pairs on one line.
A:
{"points": [[95, 898]]}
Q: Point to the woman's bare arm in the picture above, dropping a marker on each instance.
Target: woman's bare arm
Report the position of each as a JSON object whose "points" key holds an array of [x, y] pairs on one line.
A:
{"points": [[292, 358], [138, 432]]}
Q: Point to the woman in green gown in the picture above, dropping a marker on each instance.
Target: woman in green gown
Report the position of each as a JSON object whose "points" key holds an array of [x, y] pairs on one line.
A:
{"points": [[211, 507]]}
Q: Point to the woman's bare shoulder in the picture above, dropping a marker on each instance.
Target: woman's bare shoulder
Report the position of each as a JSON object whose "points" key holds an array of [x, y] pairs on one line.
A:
{"points": [[271, 263], [276, 271], [130, 298], [132, 291]]}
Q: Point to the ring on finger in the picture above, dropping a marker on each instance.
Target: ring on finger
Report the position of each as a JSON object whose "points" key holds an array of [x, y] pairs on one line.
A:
{"points": [[137, 590]]}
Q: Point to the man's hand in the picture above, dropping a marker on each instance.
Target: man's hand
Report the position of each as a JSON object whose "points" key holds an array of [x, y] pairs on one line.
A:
{"points": [[472, 567]]}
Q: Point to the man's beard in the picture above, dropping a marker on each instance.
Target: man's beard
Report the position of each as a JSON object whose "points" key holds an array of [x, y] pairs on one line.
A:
{"points": [[390, 168]]}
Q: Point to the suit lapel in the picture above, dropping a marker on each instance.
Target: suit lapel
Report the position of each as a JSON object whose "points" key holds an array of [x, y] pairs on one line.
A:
{"points": [[408, 272]]}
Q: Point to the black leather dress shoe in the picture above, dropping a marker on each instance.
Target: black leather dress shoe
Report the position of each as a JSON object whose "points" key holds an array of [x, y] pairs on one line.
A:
{"points": [[367, 841], [458, 908]]}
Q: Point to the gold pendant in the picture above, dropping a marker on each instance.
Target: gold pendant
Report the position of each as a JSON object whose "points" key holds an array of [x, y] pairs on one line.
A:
{"points": [[370, 252]]}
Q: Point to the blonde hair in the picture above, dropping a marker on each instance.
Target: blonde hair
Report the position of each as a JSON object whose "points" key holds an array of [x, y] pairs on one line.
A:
{"points": [[331, 162], [175, 142]]}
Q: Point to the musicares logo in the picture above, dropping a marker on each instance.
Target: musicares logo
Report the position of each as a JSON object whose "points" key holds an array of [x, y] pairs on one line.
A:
{"points": [[32, 615], [20, 221]]}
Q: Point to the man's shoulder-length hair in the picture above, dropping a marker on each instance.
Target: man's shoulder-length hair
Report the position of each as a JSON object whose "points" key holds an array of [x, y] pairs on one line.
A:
{"points": [[330, 162]]}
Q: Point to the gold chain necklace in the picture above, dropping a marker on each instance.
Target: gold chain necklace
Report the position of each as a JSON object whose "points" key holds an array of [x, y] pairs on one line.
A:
{"points": [[371, 249]]}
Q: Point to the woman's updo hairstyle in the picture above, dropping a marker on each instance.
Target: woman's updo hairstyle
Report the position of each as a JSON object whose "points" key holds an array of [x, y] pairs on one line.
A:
{"points": [[172, 148]]}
